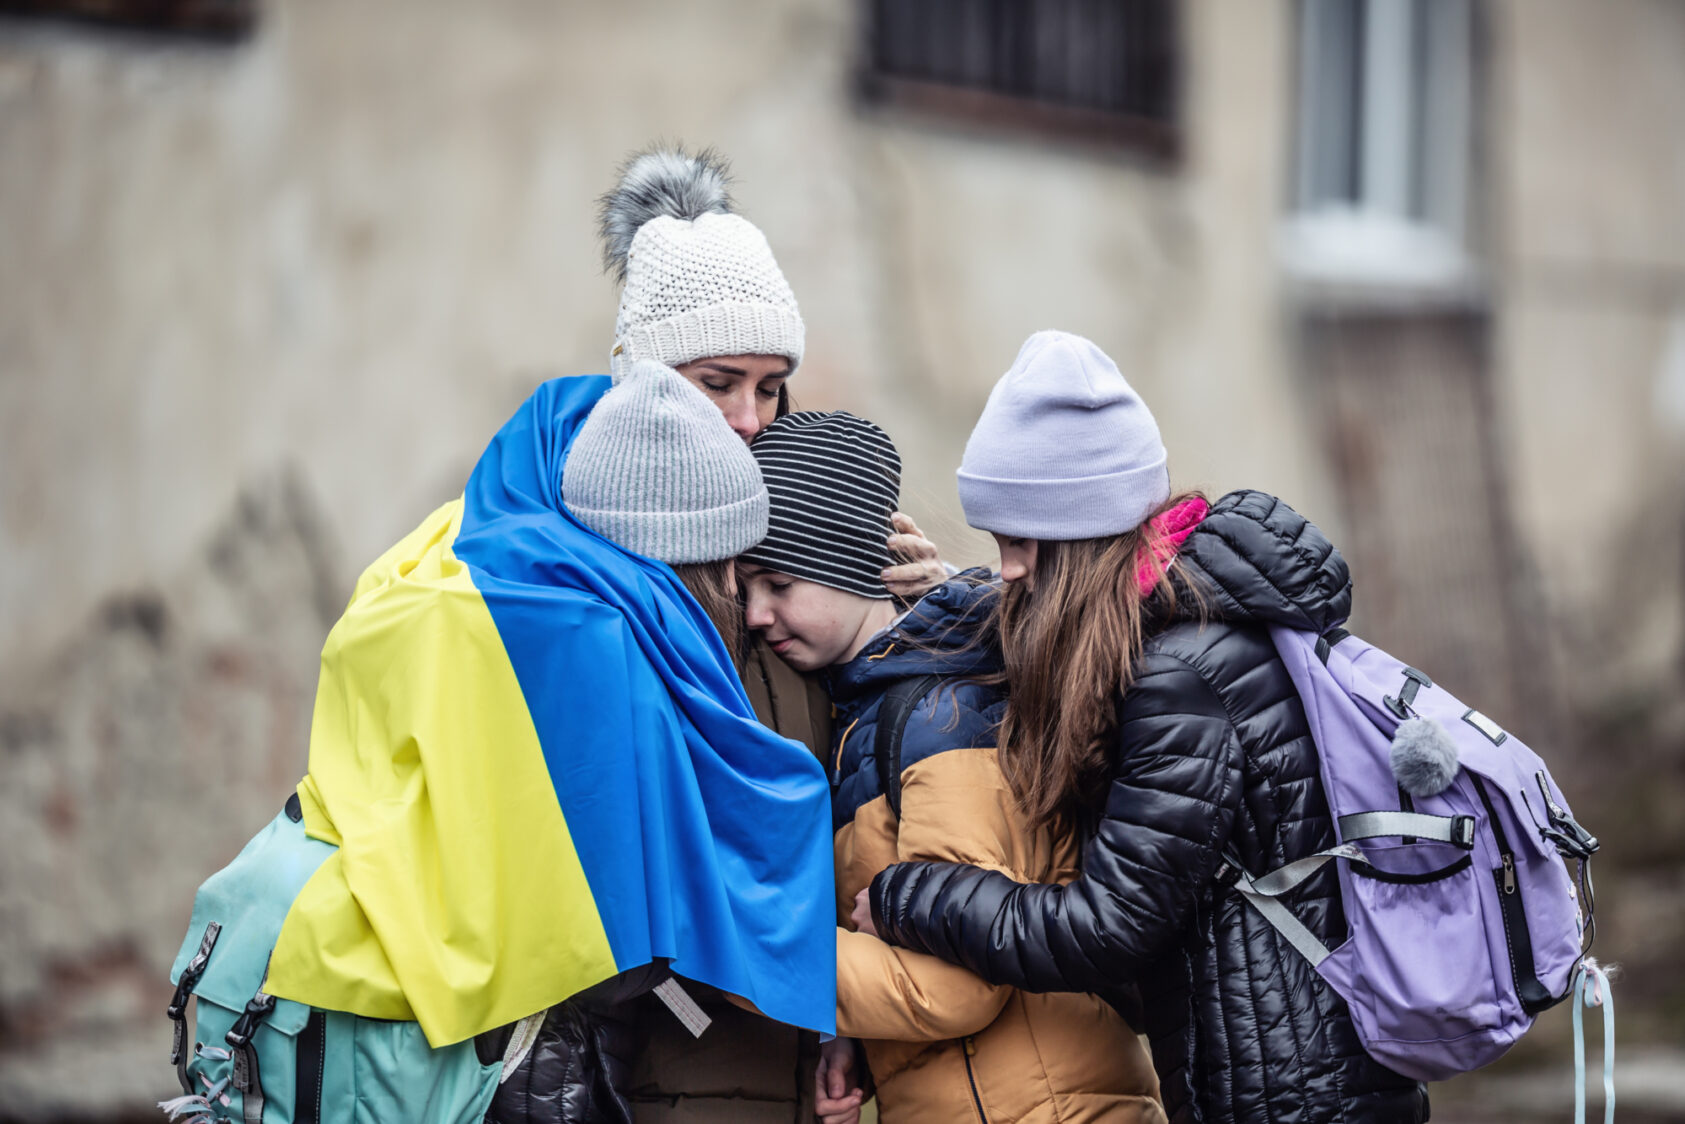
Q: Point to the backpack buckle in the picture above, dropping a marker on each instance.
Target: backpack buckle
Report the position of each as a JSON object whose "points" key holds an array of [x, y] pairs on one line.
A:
{"points": [[1571, 840], [1564, 832], [177, 1010], [240, 1034], [194, 969], [1403, 704], [1228, 874], [1462, 832]]}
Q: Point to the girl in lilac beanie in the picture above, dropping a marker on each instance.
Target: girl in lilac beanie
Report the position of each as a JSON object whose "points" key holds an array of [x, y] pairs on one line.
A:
{"points": [[1065, 448], [1147, 709]]}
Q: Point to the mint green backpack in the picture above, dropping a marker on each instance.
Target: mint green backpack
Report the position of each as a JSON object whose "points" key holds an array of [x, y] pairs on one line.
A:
{"points": [[253, 1058]]}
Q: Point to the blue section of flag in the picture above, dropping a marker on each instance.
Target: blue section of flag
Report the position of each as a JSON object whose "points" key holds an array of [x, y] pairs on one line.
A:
{"points": [[704, 836]]}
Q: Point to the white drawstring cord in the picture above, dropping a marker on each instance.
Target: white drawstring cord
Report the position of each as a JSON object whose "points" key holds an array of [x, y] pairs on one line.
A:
{"points": [[1591, 989]]}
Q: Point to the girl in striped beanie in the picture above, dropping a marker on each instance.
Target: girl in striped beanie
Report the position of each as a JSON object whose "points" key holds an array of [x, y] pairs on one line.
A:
{"points": [[815, 583], [914, 774]]}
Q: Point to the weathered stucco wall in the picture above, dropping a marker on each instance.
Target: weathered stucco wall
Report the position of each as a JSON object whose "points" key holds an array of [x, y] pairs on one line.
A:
{"points": [[1590, 191], [138, 757], [357, 241]]}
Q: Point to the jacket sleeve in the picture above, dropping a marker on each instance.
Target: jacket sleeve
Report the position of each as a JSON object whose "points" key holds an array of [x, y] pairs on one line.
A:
{"points": [[886, 992], [1169, 811], [955, 806]]}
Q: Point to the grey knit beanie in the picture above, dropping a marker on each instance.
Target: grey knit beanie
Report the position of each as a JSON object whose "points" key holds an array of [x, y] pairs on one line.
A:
{"points": [[1065, 449], [657, 470]]}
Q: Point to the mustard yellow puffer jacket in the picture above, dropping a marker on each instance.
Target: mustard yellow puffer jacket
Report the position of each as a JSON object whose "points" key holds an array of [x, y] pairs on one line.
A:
{"points": [[942, 1044]]}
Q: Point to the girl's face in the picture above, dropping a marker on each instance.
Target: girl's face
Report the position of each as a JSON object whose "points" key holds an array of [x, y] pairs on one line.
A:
{"points": [[810, 625], [1017, 560], [744, 387]]}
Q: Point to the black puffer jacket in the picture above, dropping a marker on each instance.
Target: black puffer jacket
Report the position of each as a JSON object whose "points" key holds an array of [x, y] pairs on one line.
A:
{"points": [[579, 1068], [1214, 753]]}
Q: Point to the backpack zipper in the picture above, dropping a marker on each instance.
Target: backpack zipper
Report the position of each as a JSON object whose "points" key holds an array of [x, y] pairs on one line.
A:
{"points": [[969, 1046], [1534, 997]]}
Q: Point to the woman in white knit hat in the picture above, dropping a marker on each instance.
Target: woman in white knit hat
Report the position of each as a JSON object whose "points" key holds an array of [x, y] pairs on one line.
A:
{"points": [[702, 293]]}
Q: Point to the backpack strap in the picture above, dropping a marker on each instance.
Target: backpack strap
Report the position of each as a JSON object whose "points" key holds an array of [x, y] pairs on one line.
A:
{"points": [[1325, 643], [897, 706], [1294, 931], [521, 1041], [246, 1076], [1456, 830], [1591, 989], [1264, 892], [177, 1010]]}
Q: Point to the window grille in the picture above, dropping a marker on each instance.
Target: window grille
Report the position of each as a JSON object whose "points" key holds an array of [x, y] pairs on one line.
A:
{"points": [[211, 19], [1095, 69]]}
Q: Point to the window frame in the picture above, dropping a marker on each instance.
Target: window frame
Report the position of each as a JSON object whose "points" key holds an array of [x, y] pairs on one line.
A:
{"points": [[1155, 138], [1405, 231]]}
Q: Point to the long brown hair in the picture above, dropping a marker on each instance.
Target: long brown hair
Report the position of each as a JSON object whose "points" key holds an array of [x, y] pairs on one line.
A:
{"points": [[710, 583], [716, 591], [1069, 648]]}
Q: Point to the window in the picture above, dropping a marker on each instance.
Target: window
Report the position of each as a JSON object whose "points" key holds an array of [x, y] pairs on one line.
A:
{"points": [[1382, 166], [212, 19], [1094, 69]]}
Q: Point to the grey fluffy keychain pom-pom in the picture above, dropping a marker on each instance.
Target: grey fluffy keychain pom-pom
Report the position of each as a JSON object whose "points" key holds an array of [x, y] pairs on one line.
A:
{"points": [[1424, 758], [660, 181]]}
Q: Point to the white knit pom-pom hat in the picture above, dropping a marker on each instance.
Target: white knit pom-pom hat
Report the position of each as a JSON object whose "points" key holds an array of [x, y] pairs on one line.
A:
{"points": [[700, 280]]}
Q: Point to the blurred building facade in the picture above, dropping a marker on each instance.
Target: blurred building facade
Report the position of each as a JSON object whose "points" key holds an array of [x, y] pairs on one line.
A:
{"points": [[1418, 266]]}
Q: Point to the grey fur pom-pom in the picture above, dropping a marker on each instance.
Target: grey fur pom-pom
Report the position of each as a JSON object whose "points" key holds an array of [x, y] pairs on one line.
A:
{"points": [[1424, 758], [660, 181]]}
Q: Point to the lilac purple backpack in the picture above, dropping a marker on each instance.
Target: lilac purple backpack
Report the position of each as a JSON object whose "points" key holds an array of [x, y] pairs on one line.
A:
{"points": [[1453, 852]]}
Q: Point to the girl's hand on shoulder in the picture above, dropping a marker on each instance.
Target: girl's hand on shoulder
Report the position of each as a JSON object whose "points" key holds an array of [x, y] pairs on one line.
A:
{"points": [[862, 915], [919, 569]]}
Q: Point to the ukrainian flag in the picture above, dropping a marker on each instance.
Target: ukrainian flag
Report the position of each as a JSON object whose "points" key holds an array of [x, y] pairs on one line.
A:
{"points": [[540, 769]]}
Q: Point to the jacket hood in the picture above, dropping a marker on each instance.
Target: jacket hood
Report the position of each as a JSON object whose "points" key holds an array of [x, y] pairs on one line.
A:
{"points": [[943, 634], [1256, 560]]}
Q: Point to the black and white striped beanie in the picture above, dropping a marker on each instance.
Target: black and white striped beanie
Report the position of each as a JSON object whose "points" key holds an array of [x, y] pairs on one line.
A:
{"points": [[833, 480]]}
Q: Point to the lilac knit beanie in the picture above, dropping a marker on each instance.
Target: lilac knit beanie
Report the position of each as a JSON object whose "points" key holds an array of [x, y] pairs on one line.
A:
{"points": [[1065, 449]]}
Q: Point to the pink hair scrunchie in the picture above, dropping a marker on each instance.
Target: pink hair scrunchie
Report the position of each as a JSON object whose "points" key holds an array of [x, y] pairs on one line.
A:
{"points": [[1169, 531]]}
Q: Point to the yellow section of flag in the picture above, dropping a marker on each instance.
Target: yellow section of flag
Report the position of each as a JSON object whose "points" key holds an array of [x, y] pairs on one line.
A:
{"points": [[456, 897]]}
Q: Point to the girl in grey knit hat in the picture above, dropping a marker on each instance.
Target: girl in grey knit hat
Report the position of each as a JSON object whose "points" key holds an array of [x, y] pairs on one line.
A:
{"points": [[656, 470]]}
